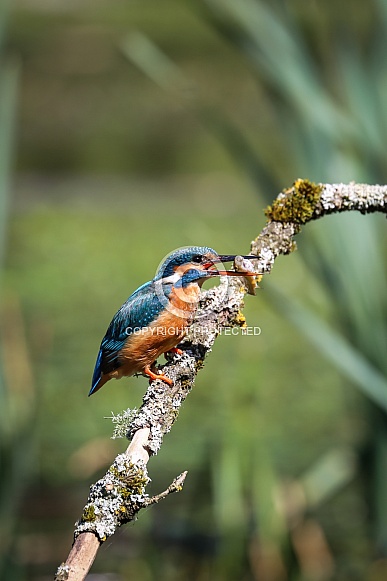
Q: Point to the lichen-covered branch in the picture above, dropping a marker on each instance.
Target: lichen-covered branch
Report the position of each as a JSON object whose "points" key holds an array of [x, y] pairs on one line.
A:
{"points": [[121, 493], [306, 201]]}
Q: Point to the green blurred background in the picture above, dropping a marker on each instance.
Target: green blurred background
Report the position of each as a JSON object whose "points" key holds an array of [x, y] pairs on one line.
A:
{"points": [[129, 128]]}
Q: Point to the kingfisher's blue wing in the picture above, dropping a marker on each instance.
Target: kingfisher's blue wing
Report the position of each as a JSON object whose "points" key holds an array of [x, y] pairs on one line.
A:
{"points": [[141, 308]]}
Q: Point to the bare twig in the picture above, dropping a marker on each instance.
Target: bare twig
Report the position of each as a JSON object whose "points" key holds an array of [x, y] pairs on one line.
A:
{"points": [[175, 486], [120, 494]]}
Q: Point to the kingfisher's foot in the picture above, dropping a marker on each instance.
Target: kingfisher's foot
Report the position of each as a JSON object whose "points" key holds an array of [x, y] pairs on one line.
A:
{"points": [[154, 376], [176, 351]]}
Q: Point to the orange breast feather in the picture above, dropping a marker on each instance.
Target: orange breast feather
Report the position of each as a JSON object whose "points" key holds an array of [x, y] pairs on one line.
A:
{"points": [[145, 346]]}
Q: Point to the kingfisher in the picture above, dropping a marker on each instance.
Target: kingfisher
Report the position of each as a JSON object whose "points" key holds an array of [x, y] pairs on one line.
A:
{"points": [[156, 316]]}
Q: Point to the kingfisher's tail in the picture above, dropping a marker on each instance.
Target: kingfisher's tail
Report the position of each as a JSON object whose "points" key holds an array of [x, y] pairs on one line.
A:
{"points": [[98, 384], [99, 379]]}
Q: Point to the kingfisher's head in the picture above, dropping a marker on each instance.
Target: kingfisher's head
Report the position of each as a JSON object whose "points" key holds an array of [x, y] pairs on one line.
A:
{"points": [[193, 264]]}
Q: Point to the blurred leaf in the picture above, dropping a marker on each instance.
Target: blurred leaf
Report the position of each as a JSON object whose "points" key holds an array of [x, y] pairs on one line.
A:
{"points": [[18, 427], [333, 345], [4, 15], [328, 475], [9, 71], [158, 67], [8, 92], [153, 62], [278, 50]]}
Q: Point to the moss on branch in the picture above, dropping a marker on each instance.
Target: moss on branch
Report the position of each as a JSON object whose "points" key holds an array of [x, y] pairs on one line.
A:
{"points": [[296, 204]]}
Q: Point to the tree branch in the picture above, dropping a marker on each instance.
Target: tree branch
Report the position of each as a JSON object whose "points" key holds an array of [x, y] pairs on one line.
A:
{"points": [[117, 497]]}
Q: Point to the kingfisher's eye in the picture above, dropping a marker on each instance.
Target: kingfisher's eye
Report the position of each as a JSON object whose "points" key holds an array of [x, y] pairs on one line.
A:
{"points": [[197, 258]]}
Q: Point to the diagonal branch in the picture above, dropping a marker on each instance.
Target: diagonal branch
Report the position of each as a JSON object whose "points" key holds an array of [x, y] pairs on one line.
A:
{"points": [[117, 497]]}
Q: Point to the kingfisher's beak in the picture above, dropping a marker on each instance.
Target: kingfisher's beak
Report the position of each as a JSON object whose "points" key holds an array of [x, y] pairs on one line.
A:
{"points": [[230, 257], [226, 258], [229, 273]]}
